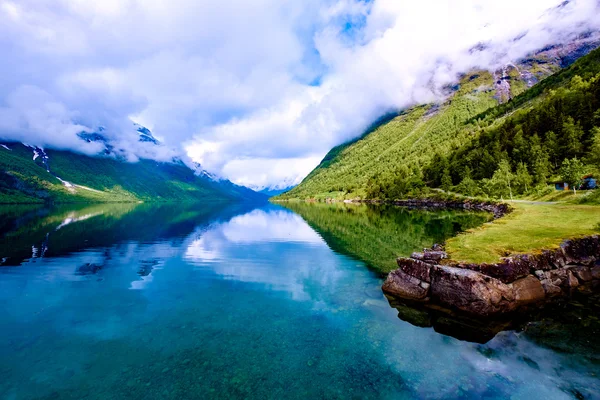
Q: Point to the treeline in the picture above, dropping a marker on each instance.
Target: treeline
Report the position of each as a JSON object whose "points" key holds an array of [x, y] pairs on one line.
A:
{"points": [[558, 137], [555, 136]]}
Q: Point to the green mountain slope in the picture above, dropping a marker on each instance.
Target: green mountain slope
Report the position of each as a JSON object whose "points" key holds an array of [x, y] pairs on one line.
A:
{"points": [[69, 177], [432, 146]]}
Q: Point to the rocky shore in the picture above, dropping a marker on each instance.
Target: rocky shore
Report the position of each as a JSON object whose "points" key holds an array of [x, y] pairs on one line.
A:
{"points": [[487, 290], [498, 210]]}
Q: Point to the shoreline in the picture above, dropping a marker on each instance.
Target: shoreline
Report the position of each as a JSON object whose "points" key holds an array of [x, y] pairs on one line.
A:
{"points": [[507, 287], [511, 286]]}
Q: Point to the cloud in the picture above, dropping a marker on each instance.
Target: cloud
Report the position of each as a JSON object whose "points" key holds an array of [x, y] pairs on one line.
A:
{"points": [[256, 92]]}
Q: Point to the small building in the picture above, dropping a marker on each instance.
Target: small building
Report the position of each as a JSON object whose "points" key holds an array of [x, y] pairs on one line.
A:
{"points": [[589, 182]]}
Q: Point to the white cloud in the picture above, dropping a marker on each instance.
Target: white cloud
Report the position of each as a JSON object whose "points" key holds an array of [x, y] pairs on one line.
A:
{"points": [[258, 92]]}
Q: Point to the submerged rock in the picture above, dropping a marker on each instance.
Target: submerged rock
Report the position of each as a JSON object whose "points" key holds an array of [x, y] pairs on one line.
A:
{"points": [[88, 269]]}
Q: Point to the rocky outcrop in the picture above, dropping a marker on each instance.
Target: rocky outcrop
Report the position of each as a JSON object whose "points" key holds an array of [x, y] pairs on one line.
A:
{"points": [[490, 289], [498, 210], [471, 291], [406, 286]]}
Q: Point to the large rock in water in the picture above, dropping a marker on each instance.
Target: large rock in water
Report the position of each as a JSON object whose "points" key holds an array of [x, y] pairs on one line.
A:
{"points": [[415, 268], [471, 291], [399, 283]]}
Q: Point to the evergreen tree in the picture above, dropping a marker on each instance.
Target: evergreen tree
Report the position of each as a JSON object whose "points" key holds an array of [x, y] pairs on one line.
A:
{"points": [[446, 180], [553, 148], [539, 161], [572, 138], [593, 157]]}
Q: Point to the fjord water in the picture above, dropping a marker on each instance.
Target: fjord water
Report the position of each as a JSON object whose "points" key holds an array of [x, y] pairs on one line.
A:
{"points": [[201, 301]]}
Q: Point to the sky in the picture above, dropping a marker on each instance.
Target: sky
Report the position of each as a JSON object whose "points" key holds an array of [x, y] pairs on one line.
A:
{"points": [[256, 92]]}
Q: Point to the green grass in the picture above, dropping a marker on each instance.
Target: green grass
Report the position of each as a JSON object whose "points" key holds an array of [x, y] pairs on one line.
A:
{"points": [[550, 194], [528, 229]]}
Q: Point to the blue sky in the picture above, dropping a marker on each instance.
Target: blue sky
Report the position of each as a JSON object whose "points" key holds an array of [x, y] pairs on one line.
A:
{"points": [[259, 92]]}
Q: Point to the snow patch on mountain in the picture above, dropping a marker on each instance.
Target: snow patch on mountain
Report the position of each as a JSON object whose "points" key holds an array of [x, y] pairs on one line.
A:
{"points": [[67, 184]]}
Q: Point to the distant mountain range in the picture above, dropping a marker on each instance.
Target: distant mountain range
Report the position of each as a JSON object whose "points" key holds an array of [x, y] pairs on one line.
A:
{"points": [[270, 191], [30, 174]]}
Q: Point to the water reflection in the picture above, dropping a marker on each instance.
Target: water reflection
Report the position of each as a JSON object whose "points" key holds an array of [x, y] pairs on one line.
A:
{"points": [[199, 302], [380, 234]]}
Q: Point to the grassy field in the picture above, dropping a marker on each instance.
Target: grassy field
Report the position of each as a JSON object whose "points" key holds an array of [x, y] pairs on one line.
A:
{"points": [[530, 228]]}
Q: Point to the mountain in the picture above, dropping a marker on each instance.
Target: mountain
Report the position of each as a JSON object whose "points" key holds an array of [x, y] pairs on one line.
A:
{"points": [[532, 103], [275, 190], [32, 174]]}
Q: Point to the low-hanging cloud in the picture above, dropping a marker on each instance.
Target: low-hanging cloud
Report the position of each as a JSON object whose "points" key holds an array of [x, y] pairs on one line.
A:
{"points": [[257, 92]]}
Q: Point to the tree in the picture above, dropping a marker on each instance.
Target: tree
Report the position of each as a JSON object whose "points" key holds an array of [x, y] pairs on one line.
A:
{"points": [[503, 177], [571, 172], [572, 135], [523, 179], [538, 161], [468, 187], [446, 180], [551, 144], [593, 157]]}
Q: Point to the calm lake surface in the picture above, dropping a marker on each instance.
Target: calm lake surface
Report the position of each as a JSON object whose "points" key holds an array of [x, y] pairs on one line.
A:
{"points": [[197, 301]]}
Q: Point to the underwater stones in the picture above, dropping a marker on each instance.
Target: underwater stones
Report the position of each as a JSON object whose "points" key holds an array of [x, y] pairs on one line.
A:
{"points": [[528, 290], [415, 268], [401, 284], [88, 269], [471, 291]]}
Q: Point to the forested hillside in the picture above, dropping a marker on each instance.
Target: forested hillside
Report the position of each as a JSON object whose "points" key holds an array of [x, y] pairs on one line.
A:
{"points": [[471, 145], [30, 175]]}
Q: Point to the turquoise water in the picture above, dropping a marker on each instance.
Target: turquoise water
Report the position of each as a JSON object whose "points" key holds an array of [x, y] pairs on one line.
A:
{"points": [[113, 302]]}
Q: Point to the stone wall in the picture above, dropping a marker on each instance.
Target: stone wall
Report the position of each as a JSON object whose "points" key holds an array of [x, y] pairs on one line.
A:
{"points": [[491, 289]]}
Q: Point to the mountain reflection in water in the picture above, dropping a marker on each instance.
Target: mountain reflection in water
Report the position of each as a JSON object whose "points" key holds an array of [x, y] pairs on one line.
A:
{"points": [[211, 301]]}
